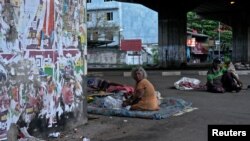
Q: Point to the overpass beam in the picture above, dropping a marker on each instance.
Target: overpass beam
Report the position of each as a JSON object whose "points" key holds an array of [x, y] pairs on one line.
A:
{"points": [[172, 38], [241, 38]]}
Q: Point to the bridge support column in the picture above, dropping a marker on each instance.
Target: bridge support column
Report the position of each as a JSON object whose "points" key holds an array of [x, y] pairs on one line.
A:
{"points": [[172, 39], [241, 38]]}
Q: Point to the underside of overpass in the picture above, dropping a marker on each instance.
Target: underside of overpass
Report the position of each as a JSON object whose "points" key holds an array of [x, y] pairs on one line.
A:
{"points": [[172, 25], [236, 14]]}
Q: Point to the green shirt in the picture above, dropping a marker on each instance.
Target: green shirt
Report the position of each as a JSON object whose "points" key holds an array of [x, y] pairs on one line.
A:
{"points": [[215, 75]]}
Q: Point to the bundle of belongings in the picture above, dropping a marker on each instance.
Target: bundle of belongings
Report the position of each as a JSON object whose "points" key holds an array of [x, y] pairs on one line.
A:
{"points": [[187, 83]]}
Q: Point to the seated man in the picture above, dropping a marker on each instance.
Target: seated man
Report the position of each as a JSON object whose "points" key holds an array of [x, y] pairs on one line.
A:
{"points": [[219, 79], [229, 66], [231, 80]]}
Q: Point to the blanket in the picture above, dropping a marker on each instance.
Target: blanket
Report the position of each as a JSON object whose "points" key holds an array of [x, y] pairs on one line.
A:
{"points": [[168, 107]]}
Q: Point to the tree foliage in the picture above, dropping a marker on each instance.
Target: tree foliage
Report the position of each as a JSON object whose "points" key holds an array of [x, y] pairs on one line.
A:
{"points": [[210, 28]]}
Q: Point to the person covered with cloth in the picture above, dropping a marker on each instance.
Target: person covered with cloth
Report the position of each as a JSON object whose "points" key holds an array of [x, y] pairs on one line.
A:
{"points": [[99, 84], [220, 79], [144, 97]]}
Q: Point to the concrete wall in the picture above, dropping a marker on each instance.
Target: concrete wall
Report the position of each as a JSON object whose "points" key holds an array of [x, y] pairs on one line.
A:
{"points": [[41, 68], [106, 58], [114, 58]]}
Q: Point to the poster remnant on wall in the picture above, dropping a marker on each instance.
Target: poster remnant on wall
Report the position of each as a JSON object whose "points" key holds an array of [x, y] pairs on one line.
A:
{"points": [[42, 49]]}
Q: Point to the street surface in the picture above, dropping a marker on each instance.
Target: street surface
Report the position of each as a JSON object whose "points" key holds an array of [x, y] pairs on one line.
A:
{"points": [[221, 109]]}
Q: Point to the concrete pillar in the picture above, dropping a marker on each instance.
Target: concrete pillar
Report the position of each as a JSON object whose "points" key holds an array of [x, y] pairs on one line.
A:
{"points": [[241, 38], [172, 39], [12, 132], [42, 72], [80, 113]]}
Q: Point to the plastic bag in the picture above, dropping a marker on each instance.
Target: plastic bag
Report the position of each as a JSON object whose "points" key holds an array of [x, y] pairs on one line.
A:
{"points": [[186, 83]]}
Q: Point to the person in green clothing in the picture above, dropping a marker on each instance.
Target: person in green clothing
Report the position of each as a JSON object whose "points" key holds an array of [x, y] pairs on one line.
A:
{"points": [[219, 79]]}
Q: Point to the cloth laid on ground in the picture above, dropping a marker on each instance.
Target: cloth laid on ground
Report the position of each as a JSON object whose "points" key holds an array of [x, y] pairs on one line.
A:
{"points": [[110, 106], [186, 83]]}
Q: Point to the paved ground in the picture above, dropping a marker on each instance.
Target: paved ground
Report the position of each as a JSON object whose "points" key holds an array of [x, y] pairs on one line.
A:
{"points": [[227, 108]]}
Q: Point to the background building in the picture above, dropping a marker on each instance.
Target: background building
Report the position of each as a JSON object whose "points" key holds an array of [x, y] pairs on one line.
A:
{"points": [[109, 22]]}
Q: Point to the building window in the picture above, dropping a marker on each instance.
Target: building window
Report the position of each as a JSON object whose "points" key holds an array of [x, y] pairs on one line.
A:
{"points": [[89, 17], [109, 36], [88, 1], [95, 35], [109, 16], [107, 0]]}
